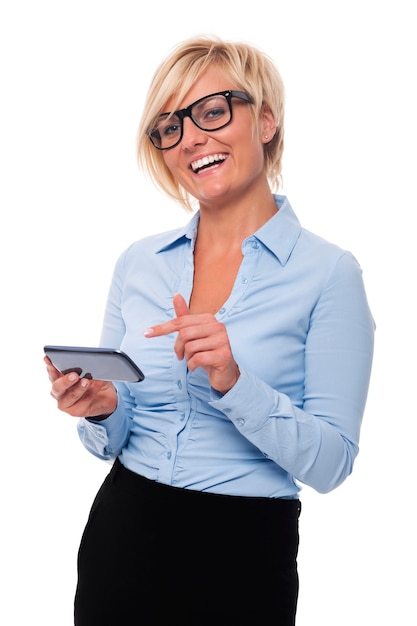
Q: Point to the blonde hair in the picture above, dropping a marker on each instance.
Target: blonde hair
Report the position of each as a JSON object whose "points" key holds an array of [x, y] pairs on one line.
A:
{"points": [[251, 70]]}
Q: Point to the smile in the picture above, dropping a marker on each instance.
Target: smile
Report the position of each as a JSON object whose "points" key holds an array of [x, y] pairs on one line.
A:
{"points": [[207, 161]]}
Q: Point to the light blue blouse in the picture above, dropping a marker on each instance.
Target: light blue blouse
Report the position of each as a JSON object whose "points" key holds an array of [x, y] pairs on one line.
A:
{"points": [[302, 334]]}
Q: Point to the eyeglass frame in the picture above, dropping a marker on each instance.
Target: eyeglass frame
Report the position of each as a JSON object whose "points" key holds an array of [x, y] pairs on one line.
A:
{"points": [[187, 112]]}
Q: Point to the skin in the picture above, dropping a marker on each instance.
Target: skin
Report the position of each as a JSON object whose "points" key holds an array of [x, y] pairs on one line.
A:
{"points": [[235, 200]]}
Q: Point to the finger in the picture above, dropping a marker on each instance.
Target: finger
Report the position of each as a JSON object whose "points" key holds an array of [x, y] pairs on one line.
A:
{"points": [[181, 309], [212, 340], [162, 329], [53, 372], [88, 398], [65, 384], [77, 396], [180, 305]]}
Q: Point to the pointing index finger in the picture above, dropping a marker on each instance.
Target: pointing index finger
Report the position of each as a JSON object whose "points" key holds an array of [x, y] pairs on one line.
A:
{"points": [[181, 309]]}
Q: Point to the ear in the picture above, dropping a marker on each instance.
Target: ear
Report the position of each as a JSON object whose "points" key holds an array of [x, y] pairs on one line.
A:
{"points": [[267, 125]]}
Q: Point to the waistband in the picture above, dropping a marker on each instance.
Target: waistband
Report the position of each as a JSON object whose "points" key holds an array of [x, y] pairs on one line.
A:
{"points": [[138, 485]]}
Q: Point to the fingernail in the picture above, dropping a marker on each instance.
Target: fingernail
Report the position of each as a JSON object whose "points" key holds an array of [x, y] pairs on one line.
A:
{"points": [[148, 332]]}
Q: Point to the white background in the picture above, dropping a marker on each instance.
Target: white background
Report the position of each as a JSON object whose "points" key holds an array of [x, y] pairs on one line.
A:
{"points": [[73, 81]]}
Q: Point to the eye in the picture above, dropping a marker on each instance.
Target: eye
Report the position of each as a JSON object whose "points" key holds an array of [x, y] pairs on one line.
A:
{"points": [[211, 111], [169, 129], [214, 113], [166, 126]]}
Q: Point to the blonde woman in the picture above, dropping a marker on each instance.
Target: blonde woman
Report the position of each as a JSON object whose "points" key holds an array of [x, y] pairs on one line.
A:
{"points": [[256, 341]]}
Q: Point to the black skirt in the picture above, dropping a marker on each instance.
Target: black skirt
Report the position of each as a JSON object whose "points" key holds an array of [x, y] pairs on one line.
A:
{"points": [[152, 554]]}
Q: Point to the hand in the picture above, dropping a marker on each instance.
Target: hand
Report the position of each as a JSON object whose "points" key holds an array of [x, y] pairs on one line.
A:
{"points": [[81, 397], [203, 342]]}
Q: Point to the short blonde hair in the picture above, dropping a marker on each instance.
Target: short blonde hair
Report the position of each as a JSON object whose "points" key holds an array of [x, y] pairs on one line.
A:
{"points": [[250, 69]]}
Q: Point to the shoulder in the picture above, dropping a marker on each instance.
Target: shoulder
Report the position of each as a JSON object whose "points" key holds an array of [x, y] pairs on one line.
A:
{"points": [[292, 243], [152, 246]]}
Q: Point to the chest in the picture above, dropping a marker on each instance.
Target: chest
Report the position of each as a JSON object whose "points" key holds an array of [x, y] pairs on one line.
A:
{"points": [[214, 277]]}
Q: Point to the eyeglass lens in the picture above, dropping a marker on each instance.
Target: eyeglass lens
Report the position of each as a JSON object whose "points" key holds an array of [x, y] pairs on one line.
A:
{"points": [[211, 113]]}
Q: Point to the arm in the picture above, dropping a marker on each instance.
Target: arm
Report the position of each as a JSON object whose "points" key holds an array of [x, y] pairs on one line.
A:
{"points": [[106, 438], [318, 441]]}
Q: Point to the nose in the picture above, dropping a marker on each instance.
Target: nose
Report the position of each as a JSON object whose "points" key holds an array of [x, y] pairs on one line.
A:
{"points": [[192, 135]]}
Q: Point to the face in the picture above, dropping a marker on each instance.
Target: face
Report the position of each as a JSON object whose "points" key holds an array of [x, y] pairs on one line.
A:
{"points": [[222, 165]]}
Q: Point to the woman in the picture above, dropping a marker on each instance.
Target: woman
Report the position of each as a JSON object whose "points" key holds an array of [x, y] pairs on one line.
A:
{"points": [[256, 341]]}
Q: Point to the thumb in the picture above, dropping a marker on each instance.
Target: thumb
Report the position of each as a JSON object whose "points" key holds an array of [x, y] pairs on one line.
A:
{"points": [[180, 305]]}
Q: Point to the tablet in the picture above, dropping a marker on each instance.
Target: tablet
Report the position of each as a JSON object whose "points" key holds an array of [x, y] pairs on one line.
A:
{"points": [[94, 363]]}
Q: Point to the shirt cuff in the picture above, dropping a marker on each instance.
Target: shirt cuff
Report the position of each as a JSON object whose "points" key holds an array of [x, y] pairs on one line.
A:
{"points": [[251, 402], [97, 435]]}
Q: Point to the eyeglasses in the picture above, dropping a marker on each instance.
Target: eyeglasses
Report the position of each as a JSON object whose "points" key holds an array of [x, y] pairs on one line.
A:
{"points": [[210, 113]]}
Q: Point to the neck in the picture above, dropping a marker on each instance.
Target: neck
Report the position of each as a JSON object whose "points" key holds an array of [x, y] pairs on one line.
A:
{"points": [[234, 222]]}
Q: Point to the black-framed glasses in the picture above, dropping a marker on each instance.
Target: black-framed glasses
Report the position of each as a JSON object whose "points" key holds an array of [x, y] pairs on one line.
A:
{"points": [[210, 113]]}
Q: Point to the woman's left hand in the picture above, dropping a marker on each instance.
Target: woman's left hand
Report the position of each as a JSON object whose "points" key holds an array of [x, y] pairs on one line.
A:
{"points": [[203, 342]]}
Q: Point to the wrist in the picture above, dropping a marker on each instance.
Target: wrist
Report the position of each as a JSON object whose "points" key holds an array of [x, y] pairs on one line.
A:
{"points": [[103, 416], [232, 383], [99, 418]]}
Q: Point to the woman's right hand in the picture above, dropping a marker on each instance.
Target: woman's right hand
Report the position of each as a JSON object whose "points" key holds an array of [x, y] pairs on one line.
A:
{"points": [[81, 397]]}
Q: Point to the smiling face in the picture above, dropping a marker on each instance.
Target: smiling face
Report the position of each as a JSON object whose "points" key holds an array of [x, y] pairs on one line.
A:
{"points": [[225, 165]]}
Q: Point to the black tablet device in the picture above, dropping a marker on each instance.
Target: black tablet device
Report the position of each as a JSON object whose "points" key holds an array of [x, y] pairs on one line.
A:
{"points": [[94, 363]]}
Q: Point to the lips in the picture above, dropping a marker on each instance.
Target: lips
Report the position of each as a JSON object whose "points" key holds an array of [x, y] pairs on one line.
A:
{"points": [[207, 161]]}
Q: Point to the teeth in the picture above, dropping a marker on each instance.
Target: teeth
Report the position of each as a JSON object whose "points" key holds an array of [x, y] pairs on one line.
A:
{"points": [[207, 160]]}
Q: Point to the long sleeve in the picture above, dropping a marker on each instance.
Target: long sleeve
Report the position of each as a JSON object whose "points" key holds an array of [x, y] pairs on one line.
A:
{"points": [[318, 441], [105, 439]]}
